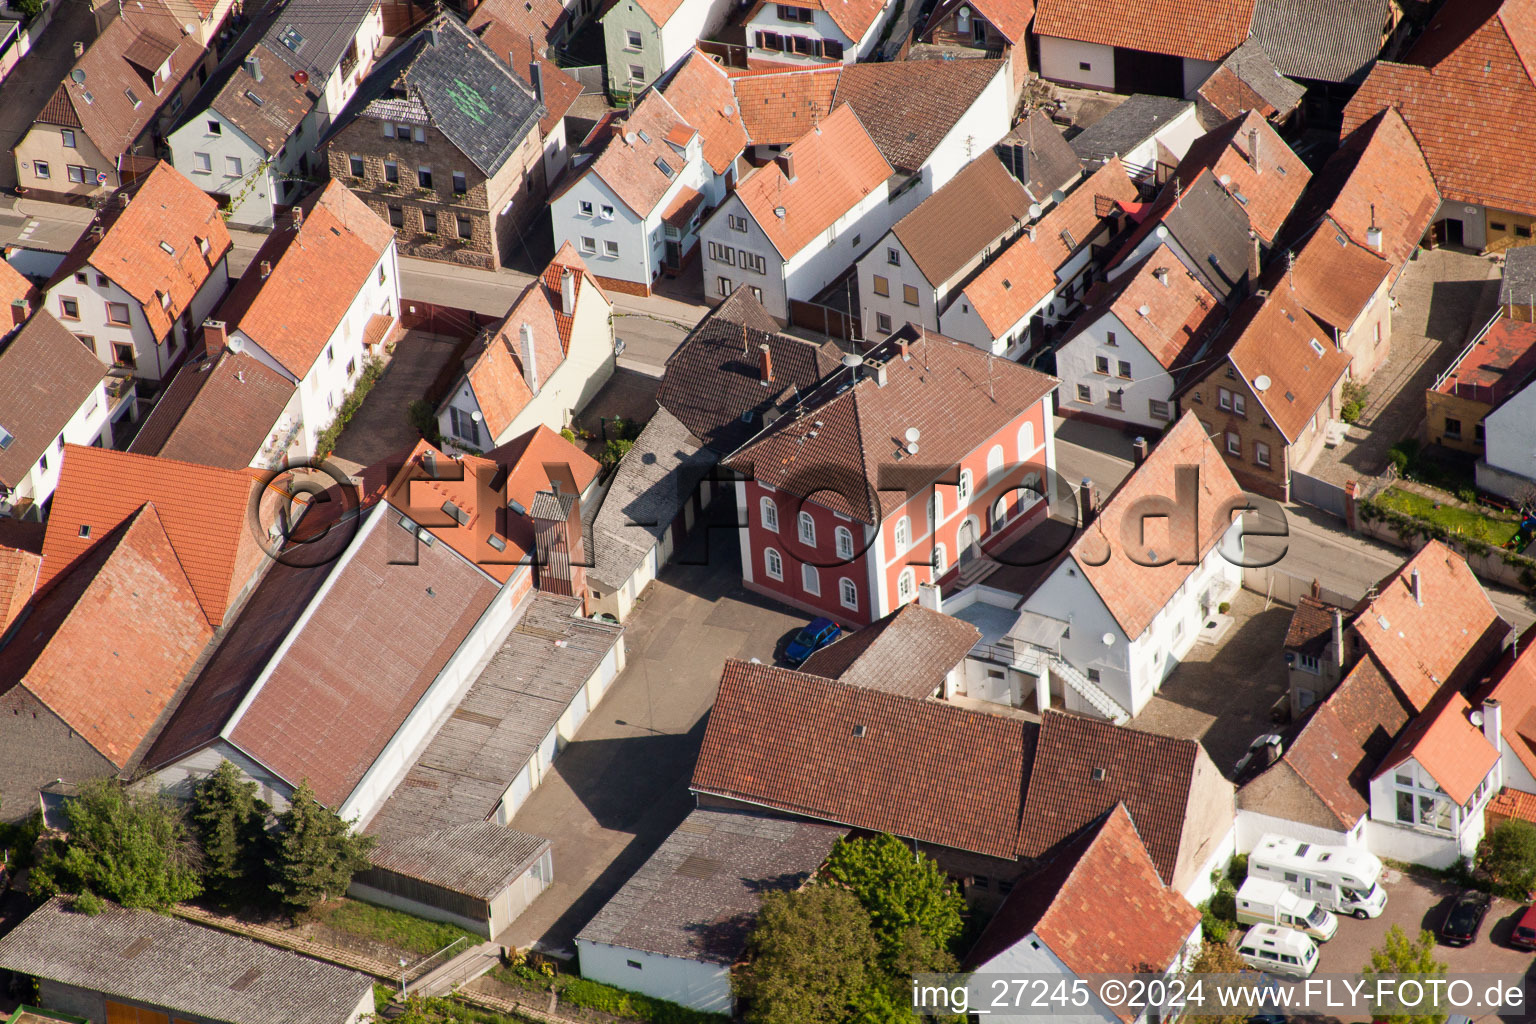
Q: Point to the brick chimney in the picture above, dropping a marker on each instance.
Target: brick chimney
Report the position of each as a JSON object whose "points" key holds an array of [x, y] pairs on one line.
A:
{"points": [[764, 364], [1085, 501], [1253, 149], [558, 569], [787, 164], [530, 358], [298, 218], [1139, 451], [19, 312], [215, 337]]}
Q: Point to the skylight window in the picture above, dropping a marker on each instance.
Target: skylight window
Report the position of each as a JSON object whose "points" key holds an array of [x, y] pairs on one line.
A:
{"points": [[496, 542], [1317, 346], [665, 168], [137, 103], [254, 98], [6, 437], [169, 251], [457, 514], [291, 38], [643, 137], [88, 97]]}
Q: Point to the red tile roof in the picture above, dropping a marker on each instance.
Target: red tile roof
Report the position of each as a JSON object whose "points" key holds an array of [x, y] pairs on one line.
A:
{"points": [[1334, 277], [947, 231], [1449, 747], [1010, 17], [1513, 685], [1098, 905], [627, 150], [46, 378], [1453, 635], [1497, 365], [1135, 591], [165, 212], [316, 273], [216, 412], [1197, 29], [1474, 65], [701, 92], [18, 578], [1511, 803], [1267, 191], [518, 32], [202, 510], [836, 166], [838, 445], [13, 286], [1171, 314], [779, 107], [109, 646], [908, 651], [1068, 226]]}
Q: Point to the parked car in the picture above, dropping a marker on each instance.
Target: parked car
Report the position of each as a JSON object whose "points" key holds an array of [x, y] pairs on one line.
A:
{"points": [[1262, 752], [1464, 918], [817, 634], [1524, 935]]}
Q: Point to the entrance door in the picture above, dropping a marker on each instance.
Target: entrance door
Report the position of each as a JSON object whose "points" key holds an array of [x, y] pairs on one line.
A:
{"points": [[674, 254], [1156, 73], [966, 542], [1451, 231]]}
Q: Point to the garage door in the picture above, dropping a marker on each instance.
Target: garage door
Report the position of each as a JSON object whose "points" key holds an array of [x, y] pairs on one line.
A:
{"points": [[118, 1013]]}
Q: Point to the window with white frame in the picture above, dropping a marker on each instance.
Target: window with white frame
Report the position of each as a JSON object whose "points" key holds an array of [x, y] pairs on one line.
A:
{"points": [[610, 248], [1234, 444], [1158, 410], [940, 560], [632, 39], [773, 564], [903, 534], [847, 593], [994, 463], [202, 163], [806, 528], [588, 243], [844, 538], [1261, 454], [906, 586], [1239, 404], [810, 580], [770, 513], [963, 491], [1224, 399], [1026, 441], [935, 508], [999, 513]]}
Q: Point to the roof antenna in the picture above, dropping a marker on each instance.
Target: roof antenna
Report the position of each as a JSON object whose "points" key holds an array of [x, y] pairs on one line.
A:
{"points": [[1290, 265]]}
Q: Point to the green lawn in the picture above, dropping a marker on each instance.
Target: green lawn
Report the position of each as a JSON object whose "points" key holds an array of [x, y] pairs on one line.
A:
{"points": [[1456, 520], [380, 924]]}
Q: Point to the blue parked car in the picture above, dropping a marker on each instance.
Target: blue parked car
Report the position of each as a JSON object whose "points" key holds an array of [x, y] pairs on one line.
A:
{"points": [[812, 638]]}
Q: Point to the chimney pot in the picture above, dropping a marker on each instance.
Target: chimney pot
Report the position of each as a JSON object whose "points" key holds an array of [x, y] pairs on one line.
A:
{"points": [[266, 269], [1139, 450], [1161, 273], [787, 164], [122, 200], [765, 363], [567, 292], [1415, 585], [1493, 721], [298, 218], [530, 358], [536, 79], [1085, 500], [79, 49], [1338, 639], [19, 312], [215, 337], [929, 597]]}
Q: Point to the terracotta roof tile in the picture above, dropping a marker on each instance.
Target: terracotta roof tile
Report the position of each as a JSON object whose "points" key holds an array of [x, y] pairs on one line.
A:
{"points": [[1197, 29], [910, 106], [46, 377], [1267, 192], [1010, 17], [109, 646], [1105, 875], [1068, 226], [778, 108], [1512, 803], [518, 31], [1311, 626], [839, 439], [317, 272], [13, 287], [1513, 685], [1448, 746], [1135, 590], [701, 92], [216, 412], [909, 651], [836, 166], [975, 208], [1474, 64], [521, 18], [1170, 313], [628, 150], [1151, 775], [1335, 278], [164, 210], [18, 579], [865, 758], [202, 510]]}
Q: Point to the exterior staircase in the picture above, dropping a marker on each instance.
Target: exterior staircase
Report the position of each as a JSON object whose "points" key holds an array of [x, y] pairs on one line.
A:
{"points": [[1037, 659], [464, 967]]}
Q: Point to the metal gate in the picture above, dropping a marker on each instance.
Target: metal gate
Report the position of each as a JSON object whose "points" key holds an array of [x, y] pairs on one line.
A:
{"points": [[1319, 493]]}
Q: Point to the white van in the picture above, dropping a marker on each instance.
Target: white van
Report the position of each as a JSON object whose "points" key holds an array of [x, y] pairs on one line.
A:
{"points": [[1261, 901], [1269, 947], [1338, 878]]}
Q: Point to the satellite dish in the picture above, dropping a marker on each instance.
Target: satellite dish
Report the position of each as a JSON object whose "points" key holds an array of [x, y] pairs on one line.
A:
{"points": [[1261, 382], [1226, 179], [78, 76], [189, 28], [913, 434], [1162, 231], [1109, 639], [1144, 310], [1034, 211], [728, 110], [1476, 718], [911, 447], [476, 416], [235, 345], [850, 360], [629, 138], [1057, 195]]}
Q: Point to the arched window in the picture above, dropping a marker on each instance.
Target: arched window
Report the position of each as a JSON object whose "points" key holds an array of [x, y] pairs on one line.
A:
{"points": [[906, 586], [807, 529], [770, 515], [903, 534], [1032, 491], [848, 593], [994, 463], [963, 492], [844, 542], [773, 563], [1026, 441], [940, 560], [810, 579], [935, 508], [999, 513]]}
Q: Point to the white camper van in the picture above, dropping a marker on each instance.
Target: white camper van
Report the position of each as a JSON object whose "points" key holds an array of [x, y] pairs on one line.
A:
{"points": [[1269, 947], [1338, 878], [1261, 901]]}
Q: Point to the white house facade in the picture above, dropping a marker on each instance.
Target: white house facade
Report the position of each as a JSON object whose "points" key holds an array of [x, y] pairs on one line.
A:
{"points": [[644, 39]]}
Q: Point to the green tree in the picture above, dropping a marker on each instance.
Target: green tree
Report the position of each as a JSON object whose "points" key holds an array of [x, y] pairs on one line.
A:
{"points": [[813, 956], [231, 824], [1398, 954], [134, 849], [1219, 958], [1507, 856], [315, 853], [915, 908]]}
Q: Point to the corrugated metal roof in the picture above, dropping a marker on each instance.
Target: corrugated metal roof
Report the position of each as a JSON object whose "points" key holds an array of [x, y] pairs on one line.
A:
{"points": [[476, 859]]}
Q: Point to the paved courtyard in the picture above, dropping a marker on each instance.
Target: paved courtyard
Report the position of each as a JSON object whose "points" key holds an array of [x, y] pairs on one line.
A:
{"points": [[1444, 298], [621, 786], [1221, 693], [381, 428]]}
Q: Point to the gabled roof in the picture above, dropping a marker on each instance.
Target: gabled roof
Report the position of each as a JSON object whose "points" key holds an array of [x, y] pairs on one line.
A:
{"points": [[909, 651], [909, 106], [46, 377], [1249, 80], [853, 18], [836, 166], [865, 758], [166, 241], [478, 858], [1447, 745], [1311, 626], [1266, 181], [1334, 277], [1452, 636], [496, 372], [314, 35], [1209, 225], [268, 111], [446, 77], [14, 286], [1135, 591], [1196, 29], [393, 614], [216, 412], [1163, 305], [1079, 903], [1009, 17], [695, 898], [1039, 156], [1133, 121], [639, 156], [700, 91], [1474, 64], [713, 379], [316, 274], [518, 19], [780, 107], [203, 510], [18, 578], [1066, 228], [1322, 40], [1273, 336], [948, 230], [109, 644], [123, 59], [841, 446], [164, 961], [1513, 685]]}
